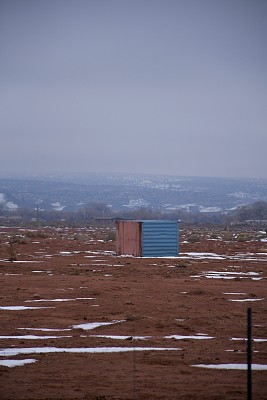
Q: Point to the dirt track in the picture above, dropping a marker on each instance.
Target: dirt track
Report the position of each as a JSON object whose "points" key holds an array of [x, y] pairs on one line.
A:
{"points": [[148, 303]]}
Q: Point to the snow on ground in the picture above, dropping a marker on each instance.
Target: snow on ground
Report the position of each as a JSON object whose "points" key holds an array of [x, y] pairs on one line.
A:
{"points": [[45, 350], [21, 308], [228, 275], [16, 363], [182, 337], [33, 337], [254, 367], [60, 300], [93, 325]]}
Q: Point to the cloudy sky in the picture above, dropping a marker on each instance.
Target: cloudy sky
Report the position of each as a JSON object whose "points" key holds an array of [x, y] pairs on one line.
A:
{"points": [[141, 86]]}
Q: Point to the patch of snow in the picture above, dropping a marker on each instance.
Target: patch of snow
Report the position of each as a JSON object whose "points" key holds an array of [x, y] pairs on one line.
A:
{"points": [[136, 203], [238, 256], [44, 350], [117, 265], [20, 308], [57, 206], [209, 209], [77, 298], [226, 275], [93, 325], [17, 363], [232, 273], [122, 337], [254, 367], [240, 300], [45, 329], [254, 340], [38, 271], [183, 337], [202, 255], [232, 293], [11, 206], [33, 337]]}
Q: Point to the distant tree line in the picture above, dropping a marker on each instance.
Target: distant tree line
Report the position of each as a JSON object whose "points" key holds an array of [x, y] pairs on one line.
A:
{"points": [[100, 211], [253, 212]]}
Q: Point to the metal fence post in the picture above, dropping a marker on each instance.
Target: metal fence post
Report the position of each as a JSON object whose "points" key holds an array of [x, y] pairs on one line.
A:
{"points": [[249, 378]]}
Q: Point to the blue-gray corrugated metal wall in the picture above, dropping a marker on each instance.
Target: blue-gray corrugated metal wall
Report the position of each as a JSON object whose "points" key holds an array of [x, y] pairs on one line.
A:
{"points": [[159, 238]]}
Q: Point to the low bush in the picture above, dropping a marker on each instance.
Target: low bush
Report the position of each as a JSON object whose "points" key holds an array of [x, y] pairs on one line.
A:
{"points": [[194, 237]]}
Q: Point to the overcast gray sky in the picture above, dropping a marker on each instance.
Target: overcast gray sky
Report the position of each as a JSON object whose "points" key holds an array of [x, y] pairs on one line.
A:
{"points": [[152, 86]]}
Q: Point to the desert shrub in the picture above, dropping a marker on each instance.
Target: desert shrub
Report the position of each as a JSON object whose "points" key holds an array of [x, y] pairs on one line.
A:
{"points": [[18, 239], [228, 236], [213, 235], [110, 237], [36, 234], [43, 235], [194, 237], [12, 253], [243, 237], [31, 234], [81, 237]]}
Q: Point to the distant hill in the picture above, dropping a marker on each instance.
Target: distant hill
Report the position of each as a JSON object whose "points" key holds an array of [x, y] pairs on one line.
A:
{"points": [[122, 192]]}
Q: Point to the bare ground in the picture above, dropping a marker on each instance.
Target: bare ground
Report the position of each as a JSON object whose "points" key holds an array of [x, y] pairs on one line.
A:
{"points": [[151, 297]]}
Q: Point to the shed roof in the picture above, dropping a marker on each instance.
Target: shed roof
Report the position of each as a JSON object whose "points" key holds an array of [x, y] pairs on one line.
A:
{"points": [[152, 220]]}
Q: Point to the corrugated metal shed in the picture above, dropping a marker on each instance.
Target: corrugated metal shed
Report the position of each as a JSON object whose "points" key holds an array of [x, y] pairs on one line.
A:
{"points": [[147, 238]]}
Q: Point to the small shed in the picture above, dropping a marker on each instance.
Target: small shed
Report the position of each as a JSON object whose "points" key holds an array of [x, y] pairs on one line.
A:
{"points": [[147, 238]]}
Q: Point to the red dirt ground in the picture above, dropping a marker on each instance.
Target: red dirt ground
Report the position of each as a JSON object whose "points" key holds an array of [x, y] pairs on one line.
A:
{"points": [[153, 297]]}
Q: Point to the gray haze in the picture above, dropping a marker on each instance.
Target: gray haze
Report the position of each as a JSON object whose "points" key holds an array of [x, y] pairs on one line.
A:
{"points": [[166, 87]]}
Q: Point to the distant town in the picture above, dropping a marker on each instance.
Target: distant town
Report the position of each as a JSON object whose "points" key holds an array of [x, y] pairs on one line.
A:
{"points": [[82, 197]]}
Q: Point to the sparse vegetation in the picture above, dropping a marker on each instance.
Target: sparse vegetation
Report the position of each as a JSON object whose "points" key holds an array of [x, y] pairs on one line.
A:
{"points": [[12, 252], [93, 213], [110, 237], [18, 239], [228, 236], [81, 237], [158, 298], [36, 234], [253, 212], [194, 237]]}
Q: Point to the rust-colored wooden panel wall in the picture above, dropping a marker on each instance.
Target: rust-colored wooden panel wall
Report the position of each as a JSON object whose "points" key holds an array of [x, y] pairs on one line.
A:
{"points": [[129, 238]]}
